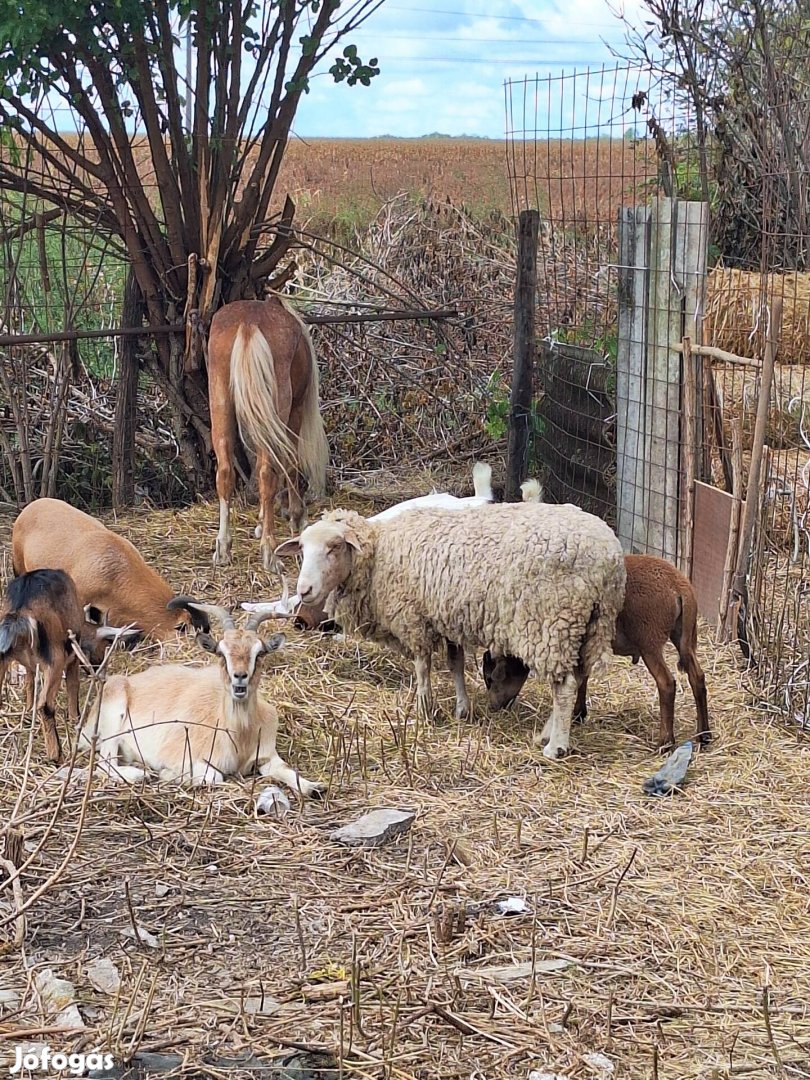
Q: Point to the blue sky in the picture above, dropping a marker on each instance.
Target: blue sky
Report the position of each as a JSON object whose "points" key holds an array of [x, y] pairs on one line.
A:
{"points": [[443, 64]]}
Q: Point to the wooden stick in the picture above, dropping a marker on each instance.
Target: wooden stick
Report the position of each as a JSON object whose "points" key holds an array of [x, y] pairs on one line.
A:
{"points": [[723, 627], [720, 354], [689, 456], [751, 501]]}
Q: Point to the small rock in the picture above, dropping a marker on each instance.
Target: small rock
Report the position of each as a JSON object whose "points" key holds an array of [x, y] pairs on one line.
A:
{"points": [[261, 1005], [671, 775], [512, 905], [103, 976], [59, 996], [144, 936], [9, 1000], [535, 1075], [602, 1066], [273, 802], [375, 828], [161, 890]]}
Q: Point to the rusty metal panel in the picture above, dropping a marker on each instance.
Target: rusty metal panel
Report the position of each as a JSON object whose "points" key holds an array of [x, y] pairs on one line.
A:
{"points": [[710, 540]]}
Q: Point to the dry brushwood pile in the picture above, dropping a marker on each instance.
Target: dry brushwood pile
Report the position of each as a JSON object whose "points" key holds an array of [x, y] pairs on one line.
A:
{"points": [[641, 937]]}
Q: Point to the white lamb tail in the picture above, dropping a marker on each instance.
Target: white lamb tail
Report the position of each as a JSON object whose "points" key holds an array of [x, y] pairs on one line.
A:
{"points": [[482, 480], [254, 389], [313, 449], [532, 491]]}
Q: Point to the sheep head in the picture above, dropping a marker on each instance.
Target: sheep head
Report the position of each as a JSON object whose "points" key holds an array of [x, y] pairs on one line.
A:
{"points": [[504, 678], [238, 649], [326, 549]]}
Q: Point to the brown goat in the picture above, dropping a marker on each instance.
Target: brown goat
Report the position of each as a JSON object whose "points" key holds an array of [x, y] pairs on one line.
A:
{"points": [[39, 612], [659, 606], [108, 571]]}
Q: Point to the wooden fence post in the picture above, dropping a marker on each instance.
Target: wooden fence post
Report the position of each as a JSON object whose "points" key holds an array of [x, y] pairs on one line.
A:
{"points": [[520, 399], [634, 234], [661, 284]]}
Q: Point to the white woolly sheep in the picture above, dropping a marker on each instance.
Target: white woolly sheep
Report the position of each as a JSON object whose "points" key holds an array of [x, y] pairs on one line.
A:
{"points": [[543, 583], [198, 724]]}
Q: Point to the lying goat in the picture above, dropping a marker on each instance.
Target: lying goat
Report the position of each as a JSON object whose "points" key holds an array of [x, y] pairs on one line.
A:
{"points": [[659, 606], [198, 724], [39, 612], [107, 569]]}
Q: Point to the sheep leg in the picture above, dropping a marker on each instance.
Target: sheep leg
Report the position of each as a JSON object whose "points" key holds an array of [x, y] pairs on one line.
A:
{"points": [[665, 681], [455, 664], [424, 694], [697, 681], [581, 706], [558, 728], [47, 711]]}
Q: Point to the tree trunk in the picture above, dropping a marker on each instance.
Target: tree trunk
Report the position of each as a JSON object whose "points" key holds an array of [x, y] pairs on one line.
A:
{"points": [[126, 399]]}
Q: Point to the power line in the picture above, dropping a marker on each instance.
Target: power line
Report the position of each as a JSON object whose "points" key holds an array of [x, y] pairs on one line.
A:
{"points": [[488, 41], [486, 15]]}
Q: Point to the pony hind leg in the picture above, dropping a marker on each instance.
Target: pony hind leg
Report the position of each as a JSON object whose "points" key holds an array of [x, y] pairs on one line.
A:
{"points": [[223, 437], [268, 485]]}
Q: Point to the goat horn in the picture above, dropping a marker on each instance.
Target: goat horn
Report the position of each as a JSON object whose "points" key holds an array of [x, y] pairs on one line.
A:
{"points": [[260, 612]]}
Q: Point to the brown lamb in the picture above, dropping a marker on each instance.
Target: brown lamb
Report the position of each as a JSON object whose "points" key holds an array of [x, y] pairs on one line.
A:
{"points": [[38, 612], [659, 606]]}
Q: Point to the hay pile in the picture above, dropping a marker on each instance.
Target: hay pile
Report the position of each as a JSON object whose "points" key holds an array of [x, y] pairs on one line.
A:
{"points": [[733, 321], [652, 926]]}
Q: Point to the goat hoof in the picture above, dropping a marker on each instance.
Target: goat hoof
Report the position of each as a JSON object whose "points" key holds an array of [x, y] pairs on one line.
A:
{"points": [[666, 747], [257, 532], [463, 712], [553, 753], [704, 738], [580, 717], [222, 555], [317, 791]]}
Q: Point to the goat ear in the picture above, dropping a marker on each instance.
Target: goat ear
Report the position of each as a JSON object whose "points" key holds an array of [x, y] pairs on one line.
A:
{"points": [[352, 539], [94, 615], [199, 619], [272, 644], [207, 642], [289, 547], [487, 667]]}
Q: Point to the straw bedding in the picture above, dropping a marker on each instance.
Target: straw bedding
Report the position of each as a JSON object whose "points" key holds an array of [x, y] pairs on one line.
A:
{"points": [[651, 923], [734, 300]]}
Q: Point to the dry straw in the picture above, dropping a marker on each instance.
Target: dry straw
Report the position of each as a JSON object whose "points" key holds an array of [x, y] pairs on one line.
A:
{"points": [[734, 304], [669, 930]]}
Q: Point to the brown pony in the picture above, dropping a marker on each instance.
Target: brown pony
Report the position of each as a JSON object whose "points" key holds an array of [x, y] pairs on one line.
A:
{"points": [[263, 382]]}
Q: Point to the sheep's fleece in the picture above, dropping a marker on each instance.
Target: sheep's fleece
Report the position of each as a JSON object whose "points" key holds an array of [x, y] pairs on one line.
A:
{"points": [[522, 578]]}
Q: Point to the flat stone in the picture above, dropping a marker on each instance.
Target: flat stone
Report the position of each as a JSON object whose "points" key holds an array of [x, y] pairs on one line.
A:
{"points": [[375, 828], [103, 976]]}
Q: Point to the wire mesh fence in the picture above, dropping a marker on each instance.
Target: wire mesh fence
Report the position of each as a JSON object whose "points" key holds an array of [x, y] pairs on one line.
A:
{"points": [[649, 405]]}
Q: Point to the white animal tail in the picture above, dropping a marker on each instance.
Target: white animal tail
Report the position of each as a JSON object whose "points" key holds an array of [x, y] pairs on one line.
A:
{"points": [[313, 449], [532, 491], [482, 480], [254, 389]]}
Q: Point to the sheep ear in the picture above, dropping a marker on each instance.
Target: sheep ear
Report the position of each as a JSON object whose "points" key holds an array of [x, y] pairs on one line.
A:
{"points": [[206, 641], [352, 539], [289, 547], [272, 644]]}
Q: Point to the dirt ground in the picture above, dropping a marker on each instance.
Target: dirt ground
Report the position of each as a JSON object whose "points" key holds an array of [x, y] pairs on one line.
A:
{"points": [[660, 938]]}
